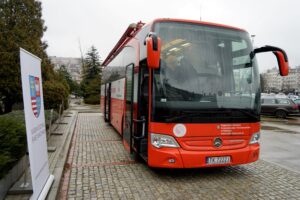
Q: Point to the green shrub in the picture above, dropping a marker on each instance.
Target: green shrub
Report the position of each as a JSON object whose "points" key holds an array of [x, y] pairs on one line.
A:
{"points": [[91, 90], [13, 138], [92, 99], [18, 115], [47, 117], [54, 94], [5, 161], [13, 141]]}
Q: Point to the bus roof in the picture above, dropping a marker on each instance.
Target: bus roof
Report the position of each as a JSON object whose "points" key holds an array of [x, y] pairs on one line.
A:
{"points": [[132, 30], [196, 22], [129, 33]]}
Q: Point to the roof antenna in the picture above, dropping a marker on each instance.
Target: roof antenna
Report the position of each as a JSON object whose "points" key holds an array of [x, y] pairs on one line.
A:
{"points": [[201, 3]]}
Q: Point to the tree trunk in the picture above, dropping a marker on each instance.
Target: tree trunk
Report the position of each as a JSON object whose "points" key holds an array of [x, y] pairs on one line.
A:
{"points": [[1, 109]]}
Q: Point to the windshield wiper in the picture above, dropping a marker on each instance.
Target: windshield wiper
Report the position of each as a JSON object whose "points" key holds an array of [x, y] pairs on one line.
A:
{"points": [[193, 114], [175, 118], [198, 113]]}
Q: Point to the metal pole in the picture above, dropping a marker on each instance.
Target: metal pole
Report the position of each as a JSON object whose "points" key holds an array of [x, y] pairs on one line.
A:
{"points": [[59, 113], [50, 148], [25, 184], [63, 107], [201, 11], [50, 124]]}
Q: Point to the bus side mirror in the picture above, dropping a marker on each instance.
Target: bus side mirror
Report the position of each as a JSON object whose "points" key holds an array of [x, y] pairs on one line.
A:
{"points": [[281, 56], [282, 63], [153, 51]]}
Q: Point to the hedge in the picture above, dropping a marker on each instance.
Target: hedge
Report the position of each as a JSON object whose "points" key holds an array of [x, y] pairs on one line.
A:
{"points": [[54, 94], [13, 142], [92, 99], [13, 138]]}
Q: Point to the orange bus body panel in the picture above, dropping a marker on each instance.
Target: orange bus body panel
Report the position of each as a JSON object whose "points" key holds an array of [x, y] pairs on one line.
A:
{"points": [[102, 104], [197, 145], [117, 107]]}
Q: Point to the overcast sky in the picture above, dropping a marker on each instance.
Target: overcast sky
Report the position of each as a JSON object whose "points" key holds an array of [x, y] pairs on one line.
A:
{"points": [[101, 23]]}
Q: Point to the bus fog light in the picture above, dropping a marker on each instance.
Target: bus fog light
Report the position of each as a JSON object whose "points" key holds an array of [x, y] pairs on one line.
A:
{"points": [[255, 138], [158, 141], [171, 160]]}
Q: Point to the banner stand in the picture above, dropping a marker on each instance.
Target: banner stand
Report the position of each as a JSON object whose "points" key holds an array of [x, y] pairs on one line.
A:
{"points": [[46, 188], [34, 112], [23, 185]]}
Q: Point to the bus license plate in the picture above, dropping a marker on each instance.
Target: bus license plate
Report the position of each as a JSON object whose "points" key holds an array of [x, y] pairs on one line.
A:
{"points": [[218, 160]]}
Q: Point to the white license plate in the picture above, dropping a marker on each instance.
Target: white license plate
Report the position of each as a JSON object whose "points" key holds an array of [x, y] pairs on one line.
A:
{"points": [[218, 160]]}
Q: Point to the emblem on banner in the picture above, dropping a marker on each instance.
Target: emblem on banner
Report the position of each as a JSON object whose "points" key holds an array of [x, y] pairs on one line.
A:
{"points": [[35, 95]]}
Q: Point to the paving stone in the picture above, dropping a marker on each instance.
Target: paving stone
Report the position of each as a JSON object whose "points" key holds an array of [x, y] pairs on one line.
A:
{"points": [[102, 169]]}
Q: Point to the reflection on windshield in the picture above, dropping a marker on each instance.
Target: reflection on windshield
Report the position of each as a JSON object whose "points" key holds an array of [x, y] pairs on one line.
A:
{"points": [[209, 67]]}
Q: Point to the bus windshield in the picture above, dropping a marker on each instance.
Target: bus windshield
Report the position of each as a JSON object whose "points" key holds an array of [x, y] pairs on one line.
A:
{"points": [[206, 75]]}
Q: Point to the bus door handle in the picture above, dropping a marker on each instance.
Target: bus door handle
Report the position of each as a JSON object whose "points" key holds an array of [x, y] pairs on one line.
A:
{"points": [[142, 120]]}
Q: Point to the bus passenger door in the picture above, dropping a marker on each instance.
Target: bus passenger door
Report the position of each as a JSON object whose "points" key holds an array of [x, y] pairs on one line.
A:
{"points": [[127, 131], [107, 100], [141, 131]]}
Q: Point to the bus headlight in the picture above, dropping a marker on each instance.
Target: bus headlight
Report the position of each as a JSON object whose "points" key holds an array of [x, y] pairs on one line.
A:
{"points": [[255, 138], [158, 141]]}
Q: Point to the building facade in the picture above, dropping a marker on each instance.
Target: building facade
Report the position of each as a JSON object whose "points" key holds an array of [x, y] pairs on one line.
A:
{"points": [[273, 82], [73, 65]]}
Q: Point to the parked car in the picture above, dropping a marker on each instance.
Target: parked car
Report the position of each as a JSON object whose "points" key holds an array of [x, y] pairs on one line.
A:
{"points": [[280, 95], [293, 97], [297, 101], [279, 107]]}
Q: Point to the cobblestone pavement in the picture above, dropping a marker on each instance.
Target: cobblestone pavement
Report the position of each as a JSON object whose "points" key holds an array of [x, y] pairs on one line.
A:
{"points": [[98, 167]]}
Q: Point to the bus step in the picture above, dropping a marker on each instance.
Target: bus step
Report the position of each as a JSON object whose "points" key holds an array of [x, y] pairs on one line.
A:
{"points": [[144, 157], [144, 146]]}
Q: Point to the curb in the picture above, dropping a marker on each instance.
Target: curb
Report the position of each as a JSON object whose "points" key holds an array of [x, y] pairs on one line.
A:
{"points": [[62, 155]]}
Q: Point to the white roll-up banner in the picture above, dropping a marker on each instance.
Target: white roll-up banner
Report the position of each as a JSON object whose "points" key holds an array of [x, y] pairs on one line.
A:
{"points": [[35, 123]]}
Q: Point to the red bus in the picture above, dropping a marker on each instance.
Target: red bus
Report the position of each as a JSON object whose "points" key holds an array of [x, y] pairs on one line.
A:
{"points": [[186, 94]]}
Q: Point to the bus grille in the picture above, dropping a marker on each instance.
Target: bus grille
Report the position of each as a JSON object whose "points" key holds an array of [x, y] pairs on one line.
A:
{"points": [[207, 144]]}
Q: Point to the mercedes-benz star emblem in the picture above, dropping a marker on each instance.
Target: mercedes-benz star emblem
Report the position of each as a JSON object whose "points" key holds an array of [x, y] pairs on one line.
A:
{"points": [[217, 142]]}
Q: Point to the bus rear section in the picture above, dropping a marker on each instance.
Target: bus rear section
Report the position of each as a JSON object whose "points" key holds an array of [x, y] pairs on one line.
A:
{"points": [[191, 97]]}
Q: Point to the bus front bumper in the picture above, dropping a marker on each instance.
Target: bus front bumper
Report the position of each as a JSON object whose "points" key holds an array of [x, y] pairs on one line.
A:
{"points": [[180, 158]]}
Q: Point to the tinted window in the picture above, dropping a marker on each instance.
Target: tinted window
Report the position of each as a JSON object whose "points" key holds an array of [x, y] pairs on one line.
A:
{"points": [[129, 82], [116, 68], [204, 69], [268, 101], [283, 101]]}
